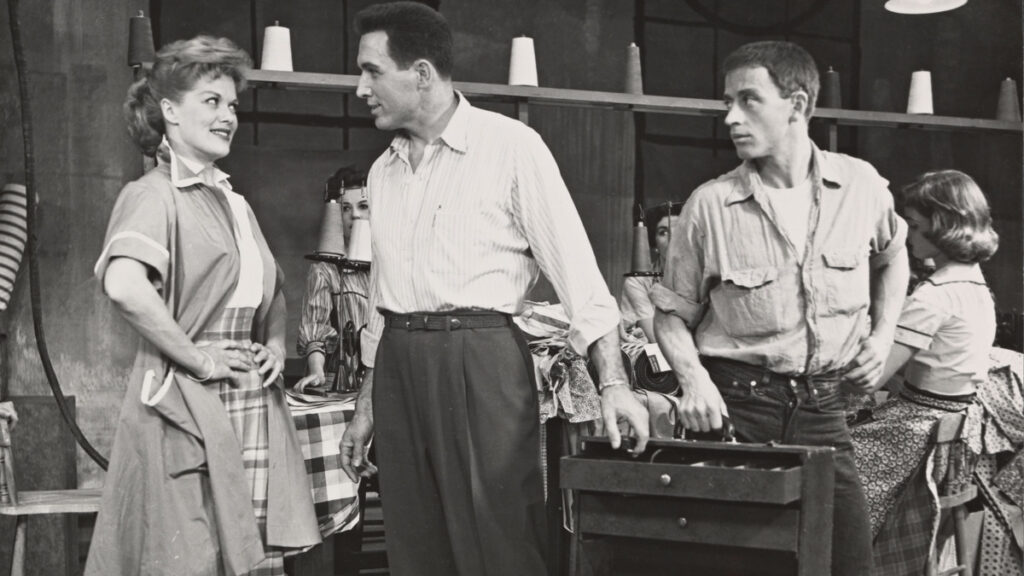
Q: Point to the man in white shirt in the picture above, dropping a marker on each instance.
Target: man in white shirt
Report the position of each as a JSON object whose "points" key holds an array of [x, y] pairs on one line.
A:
{"points": [[468, 208]]}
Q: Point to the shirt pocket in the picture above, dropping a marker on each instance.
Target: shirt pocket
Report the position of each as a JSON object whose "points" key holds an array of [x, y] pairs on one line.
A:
{"points": [[748, 302], [847, 281]]}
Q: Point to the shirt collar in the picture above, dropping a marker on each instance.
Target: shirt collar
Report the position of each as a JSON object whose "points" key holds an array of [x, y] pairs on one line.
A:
{"points": [[957, 272], [455, 134], [186, 172], [824, 174]]}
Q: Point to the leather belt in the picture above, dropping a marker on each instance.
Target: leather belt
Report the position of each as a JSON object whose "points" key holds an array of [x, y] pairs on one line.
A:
{"points": [[447, 320], [762, 375]]}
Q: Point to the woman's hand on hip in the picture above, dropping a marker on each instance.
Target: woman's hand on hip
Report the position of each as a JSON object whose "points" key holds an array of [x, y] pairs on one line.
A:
{"points": [[270, 362], [231, 361]]}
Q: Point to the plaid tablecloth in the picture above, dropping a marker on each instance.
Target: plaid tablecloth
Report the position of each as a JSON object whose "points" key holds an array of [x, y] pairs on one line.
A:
{"points": [[335, 497]]}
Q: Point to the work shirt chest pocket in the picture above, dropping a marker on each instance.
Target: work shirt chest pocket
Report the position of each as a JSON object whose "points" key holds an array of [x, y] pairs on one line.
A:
{"points": [[748, 302], [847, 281]]}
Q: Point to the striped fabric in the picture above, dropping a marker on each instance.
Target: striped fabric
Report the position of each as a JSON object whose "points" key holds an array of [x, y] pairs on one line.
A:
{"points": [[471, 227], [13, 234], [247, 410], [316, 325]]}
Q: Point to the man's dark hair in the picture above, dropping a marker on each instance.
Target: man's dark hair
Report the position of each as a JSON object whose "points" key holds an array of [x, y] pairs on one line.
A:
{"points": [[414, 31], [790, 67]]}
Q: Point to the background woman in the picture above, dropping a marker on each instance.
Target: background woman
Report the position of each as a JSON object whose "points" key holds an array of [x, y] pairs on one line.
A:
{"points": [[942, 345], [206, 476], [635, 303], [318, 336]]}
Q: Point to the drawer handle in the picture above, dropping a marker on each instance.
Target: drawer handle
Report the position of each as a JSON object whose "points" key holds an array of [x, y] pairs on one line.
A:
{"points": [[665, 479], [681, 522]]}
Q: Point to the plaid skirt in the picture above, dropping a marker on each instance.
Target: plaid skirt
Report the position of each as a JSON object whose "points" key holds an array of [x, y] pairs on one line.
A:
{"points": [[892, 450], [247, 410]]}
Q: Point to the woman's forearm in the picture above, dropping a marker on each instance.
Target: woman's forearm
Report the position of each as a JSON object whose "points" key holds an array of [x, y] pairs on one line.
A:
{"points": [[127, 285]]}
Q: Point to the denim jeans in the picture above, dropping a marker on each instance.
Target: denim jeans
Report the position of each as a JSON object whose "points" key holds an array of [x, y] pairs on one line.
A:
{"points": [[768, 407]]}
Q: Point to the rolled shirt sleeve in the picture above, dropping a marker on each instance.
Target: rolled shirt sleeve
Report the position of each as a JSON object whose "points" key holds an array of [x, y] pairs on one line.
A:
{"points": [[683, 291], [890, 231], [369, 337], [544, 208], [138, 229], [316, 334]]}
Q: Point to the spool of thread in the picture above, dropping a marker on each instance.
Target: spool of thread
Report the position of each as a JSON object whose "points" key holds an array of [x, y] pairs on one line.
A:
{"points": [[359, 247], [641, 261], [522, 66], [277, 48], [140, 41], [634, 77], [831, 96], [920, 99], [332, 236], [13, 235], [1008, 107]]}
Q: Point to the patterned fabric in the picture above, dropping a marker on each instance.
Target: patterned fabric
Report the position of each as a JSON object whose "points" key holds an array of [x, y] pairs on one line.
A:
{"points": [[1002, 488], [565, 387], [767, 307], [335, 497], [999, 554], [484, 212], [902, 473], [246, 406]]}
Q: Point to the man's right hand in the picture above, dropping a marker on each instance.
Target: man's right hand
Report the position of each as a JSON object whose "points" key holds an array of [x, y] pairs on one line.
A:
{"points": [[701, 407], [355, 443]]}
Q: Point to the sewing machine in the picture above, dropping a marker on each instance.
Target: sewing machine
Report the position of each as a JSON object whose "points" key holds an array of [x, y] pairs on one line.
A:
{"points": [[700, 507]]}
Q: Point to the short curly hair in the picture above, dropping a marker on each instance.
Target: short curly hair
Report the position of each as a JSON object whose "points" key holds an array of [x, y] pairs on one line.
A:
{"points": [[958, 214], [179, 65]]}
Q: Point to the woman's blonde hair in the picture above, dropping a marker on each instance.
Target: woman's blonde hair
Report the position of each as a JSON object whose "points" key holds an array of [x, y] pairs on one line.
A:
{"points": [[960, 224], [179, 65]]}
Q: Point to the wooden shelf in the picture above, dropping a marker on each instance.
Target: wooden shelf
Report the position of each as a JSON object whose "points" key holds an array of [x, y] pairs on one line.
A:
{"points": [[633, 102]]}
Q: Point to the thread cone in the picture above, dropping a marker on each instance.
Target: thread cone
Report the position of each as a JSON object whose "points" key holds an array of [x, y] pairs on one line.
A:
{"points": [[634, 76], [1009, 103], [359, 246], [332, 237]]}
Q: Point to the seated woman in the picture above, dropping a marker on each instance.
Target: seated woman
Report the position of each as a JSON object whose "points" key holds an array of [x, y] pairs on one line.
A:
{"points": [[942, 342], [635, 304]]}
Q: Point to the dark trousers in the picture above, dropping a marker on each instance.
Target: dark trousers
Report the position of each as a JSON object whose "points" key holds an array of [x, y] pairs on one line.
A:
{"points": [[767, 407], [458, 449]]}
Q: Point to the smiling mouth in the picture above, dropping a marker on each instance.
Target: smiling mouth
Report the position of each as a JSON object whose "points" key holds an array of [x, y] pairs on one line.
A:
{"points": [[225, 134]]}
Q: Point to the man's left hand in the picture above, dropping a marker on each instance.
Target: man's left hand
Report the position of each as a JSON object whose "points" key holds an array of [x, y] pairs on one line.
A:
{"points": [[618, 403], [866, 367]]}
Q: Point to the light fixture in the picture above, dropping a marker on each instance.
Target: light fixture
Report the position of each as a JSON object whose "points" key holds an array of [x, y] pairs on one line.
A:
{"points": [[922, 6]]}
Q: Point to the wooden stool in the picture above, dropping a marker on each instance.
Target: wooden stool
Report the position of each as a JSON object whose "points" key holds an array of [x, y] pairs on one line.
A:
{"points": [[24, 504], [952, 504]]}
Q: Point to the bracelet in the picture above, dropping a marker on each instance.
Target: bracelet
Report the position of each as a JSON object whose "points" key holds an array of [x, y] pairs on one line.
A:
{"points": [[610, 382], [213, 367]]}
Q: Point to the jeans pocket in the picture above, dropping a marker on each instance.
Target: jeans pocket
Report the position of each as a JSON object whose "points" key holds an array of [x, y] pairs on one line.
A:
{"points": [[736, 391], [829, 397]]}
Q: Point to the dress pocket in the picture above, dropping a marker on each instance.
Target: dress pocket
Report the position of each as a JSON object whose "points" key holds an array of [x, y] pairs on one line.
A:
{"points": [[748, 302], [847, 281]]}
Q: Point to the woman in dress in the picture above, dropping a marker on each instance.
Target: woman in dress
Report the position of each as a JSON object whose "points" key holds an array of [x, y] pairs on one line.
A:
{"points": [[206, 474], [942, 345]]}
